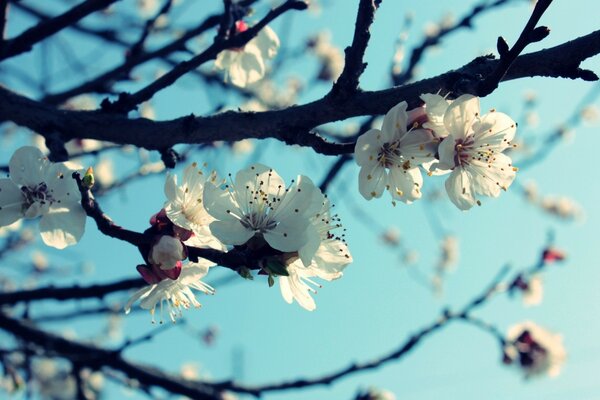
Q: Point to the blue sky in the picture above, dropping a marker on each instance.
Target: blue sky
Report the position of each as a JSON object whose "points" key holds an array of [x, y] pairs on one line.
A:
{"points": [[377, 305]]}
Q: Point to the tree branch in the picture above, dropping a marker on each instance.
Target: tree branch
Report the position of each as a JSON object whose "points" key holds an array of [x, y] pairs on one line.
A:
{"points": [[354, 66], [95, 358], [291, 125], [25, 41], [128, 102]]}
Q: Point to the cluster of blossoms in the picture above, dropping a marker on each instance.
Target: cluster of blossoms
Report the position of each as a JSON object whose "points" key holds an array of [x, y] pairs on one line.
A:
{"points": [[290, 230], [37, 187], [246, 65], [534, 350], [442, 137]]}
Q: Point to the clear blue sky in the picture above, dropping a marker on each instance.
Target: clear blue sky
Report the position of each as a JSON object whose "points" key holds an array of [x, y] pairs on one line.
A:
{"points": [[376, 305]]}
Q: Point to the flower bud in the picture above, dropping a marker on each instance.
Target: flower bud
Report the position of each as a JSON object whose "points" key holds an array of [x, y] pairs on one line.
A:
{"points": [[167, 252]]}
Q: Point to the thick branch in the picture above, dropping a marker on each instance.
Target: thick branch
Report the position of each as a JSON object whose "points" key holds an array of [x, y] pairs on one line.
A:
{"points": [[25, 41], [291, 124]]}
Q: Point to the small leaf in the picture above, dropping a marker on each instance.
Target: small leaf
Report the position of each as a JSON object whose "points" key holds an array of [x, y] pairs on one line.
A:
{"points": [[271, 281], [276, 267], [245, 273]]}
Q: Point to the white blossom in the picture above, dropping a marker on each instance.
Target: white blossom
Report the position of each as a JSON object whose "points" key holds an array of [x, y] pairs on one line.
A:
{"points": [[258, 205], [390, 158], [324, 256], [329, 261], [185, 209], [473, 151], [534, 292], [177, 294], [38, 187], [535, 350], [246, 65]]}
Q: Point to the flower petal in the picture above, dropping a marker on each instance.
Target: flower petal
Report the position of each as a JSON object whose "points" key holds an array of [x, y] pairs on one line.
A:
{"points": [[405, 184], [27, 166], [219, 202], [461, 115], [289, 235], [231, 232], [459, 186], [63, 226], [11, 202], [394, 122], [372, 181], [368, 147], [267, 41], [495, 130]]}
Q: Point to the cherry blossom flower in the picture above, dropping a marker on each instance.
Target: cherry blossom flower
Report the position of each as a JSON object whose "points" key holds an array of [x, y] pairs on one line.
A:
{"points": [[257, 205], [473, 151], [534, 350], [177, 294], [328, 263], [390, 158], [245, 66], [185, 209], [324, 256], [38, 187]]}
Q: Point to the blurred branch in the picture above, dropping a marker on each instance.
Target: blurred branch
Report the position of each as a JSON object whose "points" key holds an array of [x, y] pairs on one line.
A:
{"points": [[71, 292], [404, 348], [95, 358], [127, 102], [418, 52], [25, 41]]}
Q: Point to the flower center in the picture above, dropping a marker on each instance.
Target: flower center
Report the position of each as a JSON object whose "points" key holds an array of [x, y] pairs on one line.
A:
{"points": [[257, 222], [38, 195], [388, 154], [462, 148]]}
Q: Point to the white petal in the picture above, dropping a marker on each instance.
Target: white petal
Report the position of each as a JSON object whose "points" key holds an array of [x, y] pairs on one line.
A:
{"points": [[64, 226], [11, 202], [368, 147], [286, 290], [303, 198], [447, 151], [289, 235], [372, 181], [490, 178], [248, 68], [267, 41], [258, 176], [140, 294], [219, 202], [461, 115], [331, 259], [171, 189], [231, 232], [459, 186], [394, 122], [405, 185], [27, 166], [435, 108], [418, 146], [308, 251], [495, 130], [61, 184]]}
